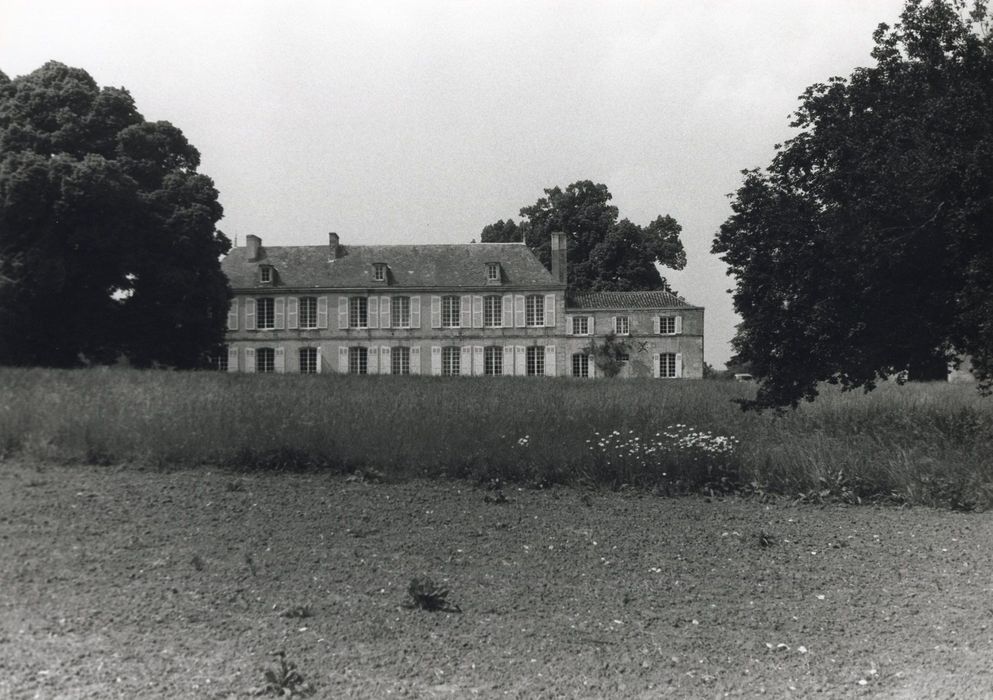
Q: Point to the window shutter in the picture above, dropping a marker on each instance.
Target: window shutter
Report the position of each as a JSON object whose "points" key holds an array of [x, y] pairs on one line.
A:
{"points": [[372, 304], [508, 360], [465, 362], [568, 325], [550, 361], [521, 361], [415, 313], [342, 312], [415, 357], [519, 310], [657, 366], [679, 325], [656, 328], [478, 368], [435, 314], [679, 363], [250, 315], [384, 312], [233, 315], [372, 360], [549, 310], [322, 312], [465, 318], [279, 314], [435, 358], [591, 328], [250, 360], [279, 360], [613, 324], [385, 356], [591, 366], [343, 359], [477, 312], [508, 311], [232, 359], [293, 313], [320, 359]]}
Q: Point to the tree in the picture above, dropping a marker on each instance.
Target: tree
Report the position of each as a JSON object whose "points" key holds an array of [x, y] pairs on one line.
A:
{"points": [[604, 254], [108, 244], [866, 247]]}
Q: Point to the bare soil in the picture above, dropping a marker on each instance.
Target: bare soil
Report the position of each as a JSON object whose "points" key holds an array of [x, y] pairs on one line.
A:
{"points": [[131, 582]]}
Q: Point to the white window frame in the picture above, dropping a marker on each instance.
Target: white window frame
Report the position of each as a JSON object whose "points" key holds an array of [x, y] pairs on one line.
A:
{"points": [[451, 361], [358, 360], [265, 360], [535, 361], [400, 312], [580, 325], [379, 272], [622, 325], [666, 323], [307, 312], [493, 311], [265, 313], [358, 312], [308, 364], [492, 272], [581, 365], [400, 360], [668, 365], [534, 311], [265, 274], [451, 311]]}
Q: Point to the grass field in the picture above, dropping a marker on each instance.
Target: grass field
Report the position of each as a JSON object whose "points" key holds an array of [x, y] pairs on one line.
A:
{"points": [[919, 444]]}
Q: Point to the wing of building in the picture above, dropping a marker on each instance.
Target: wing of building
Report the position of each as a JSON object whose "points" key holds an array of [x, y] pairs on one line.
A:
{"points": [[472, 310]]}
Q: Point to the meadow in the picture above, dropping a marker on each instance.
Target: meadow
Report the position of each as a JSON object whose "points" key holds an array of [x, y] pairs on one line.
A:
{"points": [[922, 444]]}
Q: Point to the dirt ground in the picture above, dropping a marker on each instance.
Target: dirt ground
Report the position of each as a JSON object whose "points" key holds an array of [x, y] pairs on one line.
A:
{"points": [[130, 582]]}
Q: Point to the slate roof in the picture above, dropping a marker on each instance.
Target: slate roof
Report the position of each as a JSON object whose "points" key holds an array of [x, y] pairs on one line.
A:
{"points": [[410, 266], [628, 300]]}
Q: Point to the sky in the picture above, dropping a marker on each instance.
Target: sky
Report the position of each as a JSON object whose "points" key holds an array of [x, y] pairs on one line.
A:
{"points": [[422, 122]]}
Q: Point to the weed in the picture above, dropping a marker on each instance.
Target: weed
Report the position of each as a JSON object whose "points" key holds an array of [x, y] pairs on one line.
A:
{"points": [[424, 594], [197, 562], [297, 612], [766, 539], [284, 680]]}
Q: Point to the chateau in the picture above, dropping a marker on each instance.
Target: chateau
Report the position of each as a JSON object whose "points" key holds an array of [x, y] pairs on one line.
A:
{"points": [[470, 310]]}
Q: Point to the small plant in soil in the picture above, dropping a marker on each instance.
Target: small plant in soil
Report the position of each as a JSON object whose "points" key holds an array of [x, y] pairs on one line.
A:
{"points": [[766, 539], [297, 612], [284, 680], [425, 594], [197, 562]]}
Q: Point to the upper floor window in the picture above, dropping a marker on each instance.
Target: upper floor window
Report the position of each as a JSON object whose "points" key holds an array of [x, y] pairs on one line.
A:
{"points": [[492, 272], [266, 313], [400, 312], [265, 360], [493, 311], [451, 307], [379, 272], [667, 325], [451, 361], [622, 326], [308, 360], [358, 312], [535, 361], [308, 312], [534, 310], [580, 325], [265, 274]]}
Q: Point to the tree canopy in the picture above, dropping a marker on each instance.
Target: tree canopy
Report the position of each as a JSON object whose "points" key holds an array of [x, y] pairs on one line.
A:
{"points": [[604, 254], [866, 248], [108, 244]]}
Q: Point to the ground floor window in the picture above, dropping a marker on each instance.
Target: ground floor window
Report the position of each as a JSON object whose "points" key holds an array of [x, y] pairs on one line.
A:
{"points": [[308, 360], [667, 364], [358, 361], [451, 361], [400, 361], [221, 360], [580, 365], [265, 360], [493, 361], [535, 361]]}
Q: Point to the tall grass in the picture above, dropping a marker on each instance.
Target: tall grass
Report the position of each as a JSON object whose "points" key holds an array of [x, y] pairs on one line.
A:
{"points": [[915, 443]]}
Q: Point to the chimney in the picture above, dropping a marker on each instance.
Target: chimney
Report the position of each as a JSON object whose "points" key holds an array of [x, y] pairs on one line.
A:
{"points": [[254, 243], [558, 251], [332, 246]]}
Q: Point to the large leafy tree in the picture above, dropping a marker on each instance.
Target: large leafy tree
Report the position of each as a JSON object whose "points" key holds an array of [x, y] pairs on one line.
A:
{"points": [[108, 239], [604, 253], [866, 247]]}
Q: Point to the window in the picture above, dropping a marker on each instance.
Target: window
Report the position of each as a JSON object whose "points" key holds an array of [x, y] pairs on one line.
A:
{"points": [[580, 365], [536, 361], [492, 311], [667, 364], [622, 326], [400, 312], [379, 272], [534, 310], [623, 357], [221, 361], [492, 272], [451, 307], [265, 360], [580, 325], [358, 361], [308, 360], [667, 325], [358, 313], [265, 274], [265, 310], [493, 361], [308, 312], [451, 361], [400, 361]]}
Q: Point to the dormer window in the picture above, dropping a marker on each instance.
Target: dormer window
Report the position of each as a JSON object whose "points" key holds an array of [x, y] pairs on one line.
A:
{"points": [[379, 272], [492, 272], [265, 274]]}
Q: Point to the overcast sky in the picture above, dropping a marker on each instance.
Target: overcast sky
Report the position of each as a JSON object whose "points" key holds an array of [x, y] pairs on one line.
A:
{"points": [[421, 122]]}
